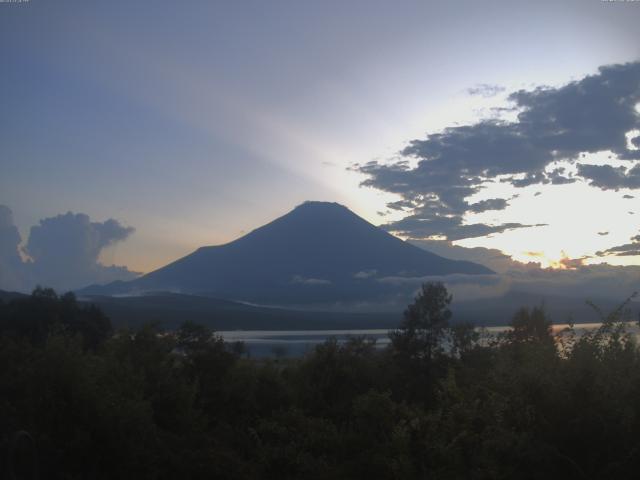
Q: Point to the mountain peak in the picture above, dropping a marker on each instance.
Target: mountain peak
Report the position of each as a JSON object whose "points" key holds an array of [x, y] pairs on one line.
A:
{"points": [[312, 222], [315, 207], [317, 204], [318, 252]]}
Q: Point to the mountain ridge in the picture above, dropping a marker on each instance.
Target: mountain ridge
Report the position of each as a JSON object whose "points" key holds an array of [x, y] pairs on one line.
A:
{"points": [[318, 252]]}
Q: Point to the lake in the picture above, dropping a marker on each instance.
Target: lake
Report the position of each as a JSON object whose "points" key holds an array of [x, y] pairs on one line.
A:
{"points": [[295, 343]]}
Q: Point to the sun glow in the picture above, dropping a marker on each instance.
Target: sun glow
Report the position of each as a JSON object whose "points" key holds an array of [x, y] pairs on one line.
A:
{"points": [[557, 260], [574, 221]]}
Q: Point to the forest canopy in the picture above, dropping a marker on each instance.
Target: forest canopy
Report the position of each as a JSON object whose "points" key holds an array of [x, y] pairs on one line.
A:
{"points": [[443, 401]]}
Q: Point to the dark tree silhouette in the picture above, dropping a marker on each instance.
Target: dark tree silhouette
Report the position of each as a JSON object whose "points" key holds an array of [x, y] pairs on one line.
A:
{"points": [[425, 324], [530, 325], [37, 317], [437, 403]]}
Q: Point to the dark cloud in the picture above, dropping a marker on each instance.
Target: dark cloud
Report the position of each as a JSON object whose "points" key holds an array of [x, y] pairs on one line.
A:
{"points": [[490, 204], [607, 177], [591, 115], [63, 252], [557, 177], [602, 234], [627, 197], [400, 205], [424, 226], [627, 250], [536, 178]]}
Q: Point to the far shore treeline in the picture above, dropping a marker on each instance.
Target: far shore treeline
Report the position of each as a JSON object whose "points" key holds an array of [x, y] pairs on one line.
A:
{"points": [[81, 400]]}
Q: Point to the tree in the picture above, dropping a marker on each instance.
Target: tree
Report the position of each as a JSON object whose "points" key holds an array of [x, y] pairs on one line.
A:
{"points": [[425, 323], [530, 326], [464, 338], [44, 313]]}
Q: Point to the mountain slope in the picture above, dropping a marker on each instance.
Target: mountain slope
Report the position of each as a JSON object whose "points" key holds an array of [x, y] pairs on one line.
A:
{"points": [[319, 252], [170, 310], [8, 296]]}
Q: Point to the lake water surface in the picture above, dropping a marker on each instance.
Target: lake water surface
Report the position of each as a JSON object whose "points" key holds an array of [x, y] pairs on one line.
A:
{"points": [[293, 343]]}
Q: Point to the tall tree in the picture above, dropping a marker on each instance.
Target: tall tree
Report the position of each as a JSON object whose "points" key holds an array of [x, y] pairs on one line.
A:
{"points": [[425, 324]]}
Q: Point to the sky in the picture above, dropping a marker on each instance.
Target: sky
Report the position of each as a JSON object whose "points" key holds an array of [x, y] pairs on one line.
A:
{"points": [[165, 126]]}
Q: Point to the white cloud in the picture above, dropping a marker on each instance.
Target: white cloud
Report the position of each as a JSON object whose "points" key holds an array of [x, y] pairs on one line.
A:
{"points": [[299, 279], [62, 252]]}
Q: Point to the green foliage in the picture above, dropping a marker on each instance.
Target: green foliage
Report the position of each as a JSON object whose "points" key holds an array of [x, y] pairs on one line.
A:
{"points": [[441, 402]]}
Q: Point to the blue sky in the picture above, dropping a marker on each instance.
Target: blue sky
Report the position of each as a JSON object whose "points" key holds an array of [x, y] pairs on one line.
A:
{"points": [[195, 122]]}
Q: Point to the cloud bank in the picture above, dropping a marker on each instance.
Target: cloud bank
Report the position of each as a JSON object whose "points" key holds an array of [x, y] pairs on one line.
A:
{"points": [[575, 279], [598, 113], [61, 252]]}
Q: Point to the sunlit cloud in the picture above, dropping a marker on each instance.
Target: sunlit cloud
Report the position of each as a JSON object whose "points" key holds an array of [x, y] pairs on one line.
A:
{"points": [[573, 143]]}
